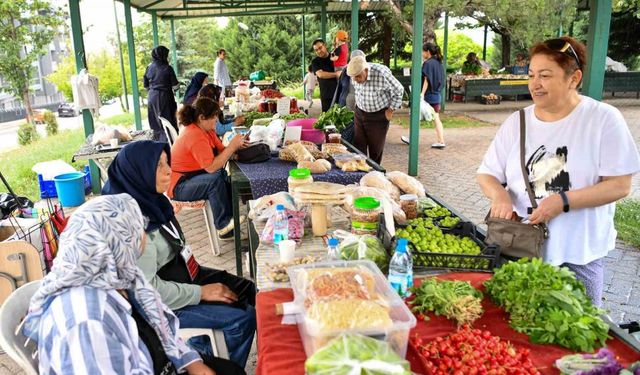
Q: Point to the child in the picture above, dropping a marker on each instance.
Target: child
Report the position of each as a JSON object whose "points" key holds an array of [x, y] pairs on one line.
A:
{"points": [[310, 80], [340, 54]]}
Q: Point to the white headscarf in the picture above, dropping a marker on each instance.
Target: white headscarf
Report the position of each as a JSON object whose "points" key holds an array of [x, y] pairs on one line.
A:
{"points": [[99, 248]]}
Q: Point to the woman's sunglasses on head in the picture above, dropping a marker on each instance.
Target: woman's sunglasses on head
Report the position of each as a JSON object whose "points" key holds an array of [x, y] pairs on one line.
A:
{"points": [[563, 46]]}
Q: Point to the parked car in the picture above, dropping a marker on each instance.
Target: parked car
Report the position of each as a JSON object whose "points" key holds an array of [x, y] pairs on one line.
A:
{"points": [[67, 110]]}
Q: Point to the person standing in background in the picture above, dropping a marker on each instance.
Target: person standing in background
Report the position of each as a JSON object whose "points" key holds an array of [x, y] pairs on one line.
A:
{"points": [[432, 82], [220, 72], [309, 85], [340, 54], [160, 80], [323, 69]]}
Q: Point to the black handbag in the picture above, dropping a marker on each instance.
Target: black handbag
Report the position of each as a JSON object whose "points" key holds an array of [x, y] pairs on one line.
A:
{"points": [[516, 239], [256, 153]]}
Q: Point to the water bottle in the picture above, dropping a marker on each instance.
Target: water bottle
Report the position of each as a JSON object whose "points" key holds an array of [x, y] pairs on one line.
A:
{"points": [[333, 253], [280, 226], [401, 269]]}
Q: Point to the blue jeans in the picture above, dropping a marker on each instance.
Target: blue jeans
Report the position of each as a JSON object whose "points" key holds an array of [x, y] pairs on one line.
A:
{"points": [[238, 325], [212, 186]]}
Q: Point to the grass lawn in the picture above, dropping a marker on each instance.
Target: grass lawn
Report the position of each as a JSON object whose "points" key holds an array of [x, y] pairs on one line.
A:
{"points": [[449, 121], [125, 119], [297, 91], [626, 221]]}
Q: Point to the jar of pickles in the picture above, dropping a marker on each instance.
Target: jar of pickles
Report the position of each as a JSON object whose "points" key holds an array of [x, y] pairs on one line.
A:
{"points": [[365, 215], [297, 177], [409, 204]]}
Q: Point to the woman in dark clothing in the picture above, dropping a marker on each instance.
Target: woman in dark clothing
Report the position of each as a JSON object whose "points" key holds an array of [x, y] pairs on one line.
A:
{"points": [[160, 80], [199, 80]]}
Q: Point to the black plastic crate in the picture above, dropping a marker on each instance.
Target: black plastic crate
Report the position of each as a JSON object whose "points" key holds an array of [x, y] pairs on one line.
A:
{"points": [[486, 261]]}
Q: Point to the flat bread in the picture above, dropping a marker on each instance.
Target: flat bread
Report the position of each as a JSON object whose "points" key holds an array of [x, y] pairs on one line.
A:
{"points": [[321, 187]]}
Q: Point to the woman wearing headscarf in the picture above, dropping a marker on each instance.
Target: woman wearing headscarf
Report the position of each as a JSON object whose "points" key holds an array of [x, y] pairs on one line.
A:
{"points": [[200, 297], [95, 313], [199, 80], [213, 92], [160, 81]]}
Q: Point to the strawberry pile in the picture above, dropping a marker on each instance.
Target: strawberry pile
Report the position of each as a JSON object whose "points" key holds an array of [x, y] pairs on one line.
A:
{"points": [[473, 351]]}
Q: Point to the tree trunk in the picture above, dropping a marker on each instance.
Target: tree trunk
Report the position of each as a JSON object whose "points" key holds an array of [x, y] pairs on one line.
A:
{"points": [[396, 9], [429, 28], [27, 104], [506, 49], [387, 44]]}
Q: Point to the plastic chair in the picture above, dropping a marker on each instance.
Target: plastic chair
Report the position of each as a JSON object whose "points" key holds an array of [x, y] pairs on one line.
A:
{"points": [[169, 130], [218, 344], [208, 220], [12, 341]]}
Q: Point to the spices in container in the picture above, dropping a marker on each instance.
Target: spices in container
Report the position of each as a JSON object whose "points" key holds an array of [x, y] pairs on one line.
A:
{"points": [[409, 204], [334, 138], [299, 176], [365, 215]]}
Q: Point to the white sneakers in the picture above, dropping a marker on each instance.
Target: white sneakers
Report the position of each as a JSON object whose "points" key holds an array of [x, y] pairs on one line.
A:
{"points": [[436, 145]]}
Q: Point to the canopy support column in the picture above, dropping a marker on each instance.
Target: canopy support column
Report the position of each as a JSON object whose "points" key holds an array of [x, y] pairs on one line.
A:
{"points": [[154, 25], [174, 48], [597, 42], [303, 62], [444, 59], [484, 43], [416, 76], [132, 64], [323, 23], [122, 71], [355, 7]]}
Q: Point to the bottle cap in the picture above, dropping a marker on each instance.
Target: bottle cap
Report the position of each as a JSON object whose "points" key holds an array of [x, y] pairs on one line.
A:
{"points": [[333, 242], [280, 207], [366, 203], [300, 173], [401, 246]]}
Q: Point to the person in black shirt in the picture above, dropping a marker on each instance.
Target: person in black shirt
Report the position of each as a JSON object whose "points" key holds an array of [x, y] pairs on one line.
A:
{"points": [[160, 80], [323, 69]]}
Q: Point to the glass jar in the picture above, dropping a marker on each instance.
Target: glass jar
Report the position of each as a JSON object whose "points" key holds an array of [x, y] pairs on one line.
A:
{"points": [[365, 216], [409, 204], [334, 138], [297, 177]]}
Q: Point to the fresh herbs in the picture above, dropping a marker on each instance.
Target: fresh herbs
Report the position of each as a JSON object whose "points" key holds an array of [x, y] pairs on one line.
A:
{"points": [[336, 115], [453, 299], [548, 304], [253, 115], [293, 116]]}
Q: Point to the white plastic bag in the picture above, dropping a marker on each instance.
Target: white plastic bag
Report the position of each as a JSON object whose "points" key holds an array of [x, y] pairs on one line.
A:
{"points": [[427, 112]]}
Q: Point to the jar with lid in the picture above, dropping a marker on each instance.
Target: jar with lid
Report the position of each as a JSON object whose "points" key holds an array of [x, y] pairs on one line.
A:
{"points": [[334, 138], [365, 215], [409, 204], [297, 177]]}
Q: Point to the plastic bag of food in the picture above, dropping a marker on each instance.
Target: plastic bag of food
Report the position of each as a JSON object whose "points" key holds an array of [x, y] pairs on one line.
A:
{"points": [[378, 180], [105, 133], [343, 314], [355, 247], [300, 153], [265, 206], [426, 203], [406, 183], [350, 354], [355, 191], [327, 284], [318, 166], [296, 226]]}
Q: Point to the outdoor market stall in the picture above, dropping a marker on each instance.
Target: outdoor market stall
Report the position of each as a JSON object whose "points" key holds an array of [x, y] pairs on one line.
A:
{"points": [[472, 86]]}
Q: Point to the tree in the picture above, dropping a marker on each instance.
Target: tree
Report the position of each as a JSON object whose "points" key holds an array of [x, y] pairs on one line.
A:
{"points": [[61, 78], [26, 29], [459, 46]]}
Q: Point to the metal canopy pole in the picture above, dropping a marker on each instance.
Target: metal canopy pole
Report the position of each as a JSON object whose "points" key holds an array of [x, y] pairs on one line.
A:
{"points": [[416, 84], [597, 42], [484, 43], [132, 64], [154, 25], [444, 60], [174, 48], [303, 62], [355, 7], [78, 51], [323, 22], [122, 71]]}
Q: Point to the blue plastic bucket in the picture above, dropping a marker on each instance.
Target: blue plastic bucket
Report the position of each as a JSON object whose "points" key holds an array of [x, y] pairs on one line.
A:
{"points": [[70, 188]]}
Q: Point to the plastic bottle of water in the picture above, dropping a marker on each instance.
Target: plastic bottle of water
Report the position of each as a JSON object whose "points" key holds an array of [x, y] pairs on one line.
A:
{"points": [[401, 269], [280, 226], [333, 253]]}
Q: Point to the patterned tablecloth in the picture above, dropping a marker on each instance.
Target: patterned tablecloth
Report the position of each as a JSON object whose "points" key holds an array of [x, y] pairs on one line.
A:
{"points": [[271, 176]]}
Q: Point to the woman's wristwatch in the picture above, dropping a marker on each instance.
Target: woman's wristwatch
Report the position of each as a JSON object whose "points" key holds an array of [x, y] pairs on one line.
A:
{"points": [[565, 201]]}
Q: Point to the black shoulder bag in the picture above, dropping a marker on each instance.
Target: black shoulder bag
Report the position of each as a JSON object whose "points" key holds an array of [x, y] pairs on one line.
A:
{"points": [[517, 239]]}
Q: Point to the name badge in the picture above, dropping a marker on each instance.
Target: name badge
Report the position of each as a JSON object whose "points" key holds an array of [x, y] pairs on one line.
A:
{"points": [[192, 265]]}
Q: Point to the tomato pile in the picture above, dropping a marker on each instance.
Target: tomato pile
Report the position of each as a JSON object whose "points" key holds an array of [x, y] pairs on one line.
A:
{"points": [[473, 351], [271, 94]]}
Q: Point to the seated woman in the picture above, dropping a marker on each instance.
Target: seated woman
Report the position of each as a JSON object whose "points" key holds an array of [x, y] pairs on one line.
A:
{"points": [[197, 81], [213, 92], [198, 160], [95, 313], [200, 297]]}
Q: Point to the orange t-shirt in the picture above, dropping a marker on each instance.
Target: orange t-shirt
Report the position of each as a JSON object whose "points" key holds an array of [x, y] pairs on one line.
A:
{"points": [[192, 151]]}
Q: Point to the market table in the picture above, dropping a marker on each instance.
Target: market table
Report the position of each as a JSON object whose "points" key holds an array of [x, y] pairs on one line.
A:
{"points": [[280, 349], [245, 187], [500, 84]]}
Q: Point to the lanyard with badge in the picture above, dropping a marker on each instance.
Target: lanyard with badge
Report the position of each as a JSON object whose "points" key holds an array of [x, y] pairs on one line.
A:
{"points": [[190, 261]]}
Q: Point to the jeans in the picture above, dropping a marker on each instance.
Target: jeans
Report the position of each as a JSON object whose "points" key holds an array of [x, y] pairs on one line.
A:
{"points": [[238, 325], [212, 186]]}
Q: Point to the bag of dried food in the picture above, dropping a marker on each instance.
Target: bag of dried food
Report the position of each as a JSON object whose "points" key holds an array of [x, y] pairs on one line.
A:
{"points": [[296, 226], [378, 180], [406, 183]]}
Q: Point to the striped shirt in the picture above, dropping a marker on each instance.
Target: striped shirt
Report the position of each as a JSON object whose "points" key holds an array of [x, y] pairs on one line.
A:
{"points": [[380, 91], [91, 331]]}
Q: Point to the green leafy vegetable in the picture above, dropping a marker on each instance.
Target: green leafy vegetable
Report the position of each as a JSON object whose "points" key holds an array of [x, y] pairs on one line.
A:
{"points": [[453, 299], [365, 247], [253, 115], [548, 304], [336, 115], [293, 116]]}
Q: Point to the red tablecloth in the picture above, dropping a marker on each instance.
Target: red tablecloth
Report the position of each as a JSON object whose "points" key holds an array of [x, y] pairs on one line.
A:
{"points": [[280, 349]]}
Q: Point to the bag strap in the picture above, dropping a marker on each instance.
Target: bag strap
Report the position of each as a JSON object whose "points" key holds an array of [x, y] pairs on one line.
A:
{"points": [[525, 173]]}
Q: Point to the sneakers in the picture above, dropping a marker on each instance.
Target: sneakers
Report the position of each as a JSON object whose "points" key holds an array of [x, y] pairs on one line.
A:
{"points": [[404, 139], [438, 145], [227, 231]]}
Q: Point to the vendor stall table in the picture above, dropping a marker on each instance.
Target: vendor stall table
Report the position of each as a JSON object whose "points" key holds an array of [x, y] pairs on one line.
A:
{"points": [[280, 349], [472, 86]]}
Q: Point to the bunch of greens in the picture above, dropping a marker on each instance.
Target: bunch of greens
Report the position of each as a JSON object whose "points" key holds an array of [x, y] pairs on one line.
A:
{"points": [[453, 299], [356, 354], [336, 115], [548, 304], [365, 247], [293, 116], [253, 115]]}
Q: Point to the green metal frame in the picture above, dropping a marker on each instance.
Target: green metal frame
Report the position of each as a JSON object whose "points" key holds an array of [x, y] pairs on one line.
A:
{"points": [[154, 25], [323, 22], [122, 71], [445, 53], [416, 76], [132, 64], [355, 38], [598, 41]]}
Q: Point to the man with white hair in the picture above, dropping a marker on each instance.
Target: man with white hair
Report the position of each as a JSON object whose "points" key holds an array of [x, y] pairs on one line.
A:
{"points": [[378, 93]]}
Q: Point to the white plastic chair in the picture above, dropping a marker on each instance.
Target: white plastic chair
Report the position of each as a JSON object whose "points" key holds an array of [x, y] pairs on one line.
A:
{"points": [[208, 220], [218, 344], [169, 130], [12, 341]]}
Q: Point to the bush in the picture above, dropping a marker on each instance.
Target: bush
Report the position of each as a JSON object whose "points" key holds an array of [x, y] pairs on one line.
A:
{"points": [[27, 133], [52, 123]]}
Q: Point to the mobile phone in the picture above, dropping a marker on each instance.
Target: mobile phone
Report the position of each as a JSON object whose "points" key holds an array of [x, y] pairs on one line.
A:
{"points": [[247, 134]]}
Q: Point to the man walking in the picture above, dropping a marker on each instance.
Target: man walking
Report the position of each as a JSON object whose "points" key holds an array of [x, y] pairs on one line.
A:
{"points": [[323, 69], [378, 93], [220, 71]]}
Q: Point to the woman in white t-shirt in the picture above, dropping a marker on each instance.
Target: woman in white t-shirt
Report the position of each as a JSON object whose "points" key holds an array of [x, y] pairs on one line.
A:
{"points": [[580, 156]]}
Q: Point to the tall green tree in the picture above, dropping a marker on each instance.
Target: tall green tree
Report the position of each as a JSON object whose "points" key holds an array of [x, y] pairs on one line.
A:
{"points": [[26, 29]]}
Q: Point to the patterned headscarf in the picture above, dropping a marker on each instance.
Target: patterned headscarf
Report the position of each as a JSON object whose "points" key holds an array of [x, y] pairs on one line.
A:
{"points": [[99, 248]]}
